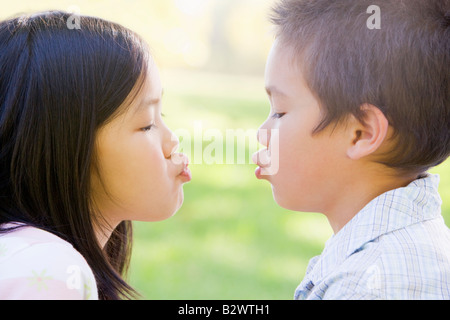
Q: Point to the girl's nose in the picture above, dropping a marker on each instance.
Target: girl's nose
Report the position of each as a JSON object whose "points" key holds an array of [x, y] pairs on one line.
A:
{"points": [[170, 143]]}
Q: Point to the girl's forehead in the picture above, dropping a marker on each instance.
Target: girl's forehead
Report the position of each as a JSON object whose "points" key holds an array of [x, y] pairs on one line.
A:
{"points": [[147, 91]]}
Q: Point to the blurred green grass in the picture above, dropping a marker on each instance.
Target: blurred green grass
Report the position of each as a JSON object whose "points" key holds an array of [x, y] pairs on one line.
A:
{"points": [[229, 240]]}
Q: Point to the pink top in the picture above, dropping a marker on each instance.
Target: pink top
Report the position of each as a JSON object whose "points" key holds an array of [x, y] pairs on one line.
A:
{"points": [[36, 264]]}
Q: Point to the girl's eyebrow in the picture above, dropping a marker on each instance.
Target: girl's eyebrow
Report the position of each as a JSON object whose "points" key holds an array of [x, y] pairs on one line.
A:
{"points": [[149, 102], [153, 100]]}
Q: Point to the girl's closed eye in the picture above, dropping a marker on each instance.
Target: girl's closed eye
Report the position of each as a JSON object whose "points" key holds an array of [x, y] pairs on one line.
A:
{"points": [[148, 128]]}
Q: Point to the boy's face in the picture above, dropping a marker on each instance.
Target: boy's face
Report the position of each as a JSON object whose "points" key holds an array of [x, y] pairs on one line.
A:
{"points": [[308, 166]]}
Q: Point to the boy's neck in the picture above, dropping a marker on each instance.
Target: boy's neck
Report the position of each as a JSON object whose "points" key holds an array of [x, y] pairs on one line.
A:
{"points": [[357, 192]]}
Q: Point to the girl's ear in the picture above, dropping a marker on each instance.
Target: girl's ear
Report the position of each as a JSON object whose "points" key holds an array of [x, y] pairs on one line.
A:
{"points": [[367, 137]]}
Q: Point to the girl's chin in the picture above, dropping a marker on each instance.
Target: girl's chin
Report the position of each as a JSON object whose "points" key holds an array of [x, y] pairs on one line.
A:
{"points": [[178, 203], [162, 213]]}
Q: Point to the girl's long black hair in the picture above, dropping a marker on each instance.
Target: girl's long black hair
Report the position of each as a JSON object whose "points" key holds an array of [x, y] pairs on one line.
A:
{"points": [[58, 85]]}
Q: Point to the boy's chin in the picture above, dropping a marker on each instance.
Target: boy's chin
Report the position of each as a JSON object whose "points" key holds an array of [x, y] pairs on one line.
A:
{"points": [[282, 200], [288, 202]]}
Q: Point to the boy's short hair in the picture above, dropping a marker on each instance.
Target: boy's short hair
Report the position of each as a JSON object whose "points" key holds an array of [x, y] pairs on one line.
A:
{"points": [[403, 68]]}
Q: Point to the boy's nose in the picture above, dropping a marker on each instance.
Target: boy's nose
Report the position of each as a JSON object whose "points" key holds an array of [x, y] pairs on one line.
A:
{"points": [[263, 136]]}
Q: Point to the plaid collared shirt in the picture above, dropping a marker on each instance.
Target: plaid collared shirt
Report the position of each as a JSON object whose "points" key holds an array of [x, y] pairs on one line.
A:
{"points": [[396, 247]]}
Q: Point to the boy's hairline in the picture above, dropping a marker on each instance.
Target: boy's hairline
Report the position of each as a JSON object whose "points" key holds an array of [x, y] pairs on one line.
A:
{"points": [[298, 61]]}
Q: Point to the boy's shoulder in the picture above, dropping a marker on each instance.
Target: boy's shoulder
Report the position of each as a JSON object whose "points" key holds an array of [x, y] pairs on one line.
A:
{"points": [[397, 247], [408, 263]]}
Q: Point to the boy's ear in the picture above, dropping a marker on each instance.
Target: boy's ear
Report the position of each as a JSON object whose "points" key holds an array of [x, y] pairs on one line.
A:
{"points": [[367, 137]]}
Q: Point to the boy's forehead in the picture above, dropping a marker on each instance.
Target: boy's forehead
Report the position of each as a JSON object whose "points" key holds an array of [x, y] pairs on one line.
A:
{"points": [[274, 90], [282, 73], [282, 51]]}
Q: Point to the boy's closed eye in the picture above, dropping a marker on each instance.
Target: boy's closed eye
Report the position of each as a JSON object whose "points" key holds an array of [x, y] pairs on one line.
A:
{"points": [[278, 115]]}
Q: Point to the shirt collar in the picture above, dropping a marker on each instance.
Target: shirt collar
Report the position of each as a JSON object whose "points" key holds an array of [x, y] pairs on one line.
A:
{"points": [[392, 210]]}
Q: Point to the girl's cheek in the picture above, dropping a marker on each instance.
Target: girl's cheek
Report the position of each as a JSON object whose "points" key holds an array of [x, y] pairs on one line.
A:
{"points": [[154, 163]]}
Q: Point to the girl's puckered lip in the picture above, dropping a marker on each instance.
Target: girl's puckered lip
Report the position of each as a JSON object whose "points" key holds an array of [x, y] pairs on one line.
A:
{"points": [[186, 174], [182, 162]]}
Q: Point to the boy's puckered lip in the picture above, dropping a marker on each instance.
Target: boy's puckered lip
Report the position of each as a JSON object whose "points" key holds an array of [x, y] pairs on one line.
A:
{"points": [[256, 158], [258, 173], [261, 158]]}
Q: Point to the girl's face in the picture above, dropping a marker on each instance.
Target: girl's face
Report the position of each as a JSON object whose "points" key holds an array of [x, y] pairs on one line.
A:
{"points": [[139, 175]]}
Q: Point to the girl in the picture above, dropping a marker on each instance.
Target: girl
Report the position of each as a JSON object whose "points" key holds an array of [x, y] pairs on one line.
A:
{"points": [[83, 150]]}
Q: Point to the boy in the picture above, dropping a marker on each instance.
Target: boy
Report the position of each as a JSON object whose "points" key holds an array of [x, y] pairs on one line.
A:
{"points": [[358, 115]]}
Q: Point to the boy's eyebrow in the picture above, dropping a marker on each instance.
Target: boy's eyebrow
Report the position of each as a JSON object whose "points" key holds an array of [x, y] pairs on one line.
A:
{"points": [[274, 90]]}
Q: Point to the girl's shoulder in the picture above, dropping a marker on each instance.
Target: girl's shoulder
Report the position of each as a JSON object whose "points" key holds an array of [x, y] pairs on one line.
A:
{"points": [[36, 264]]}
